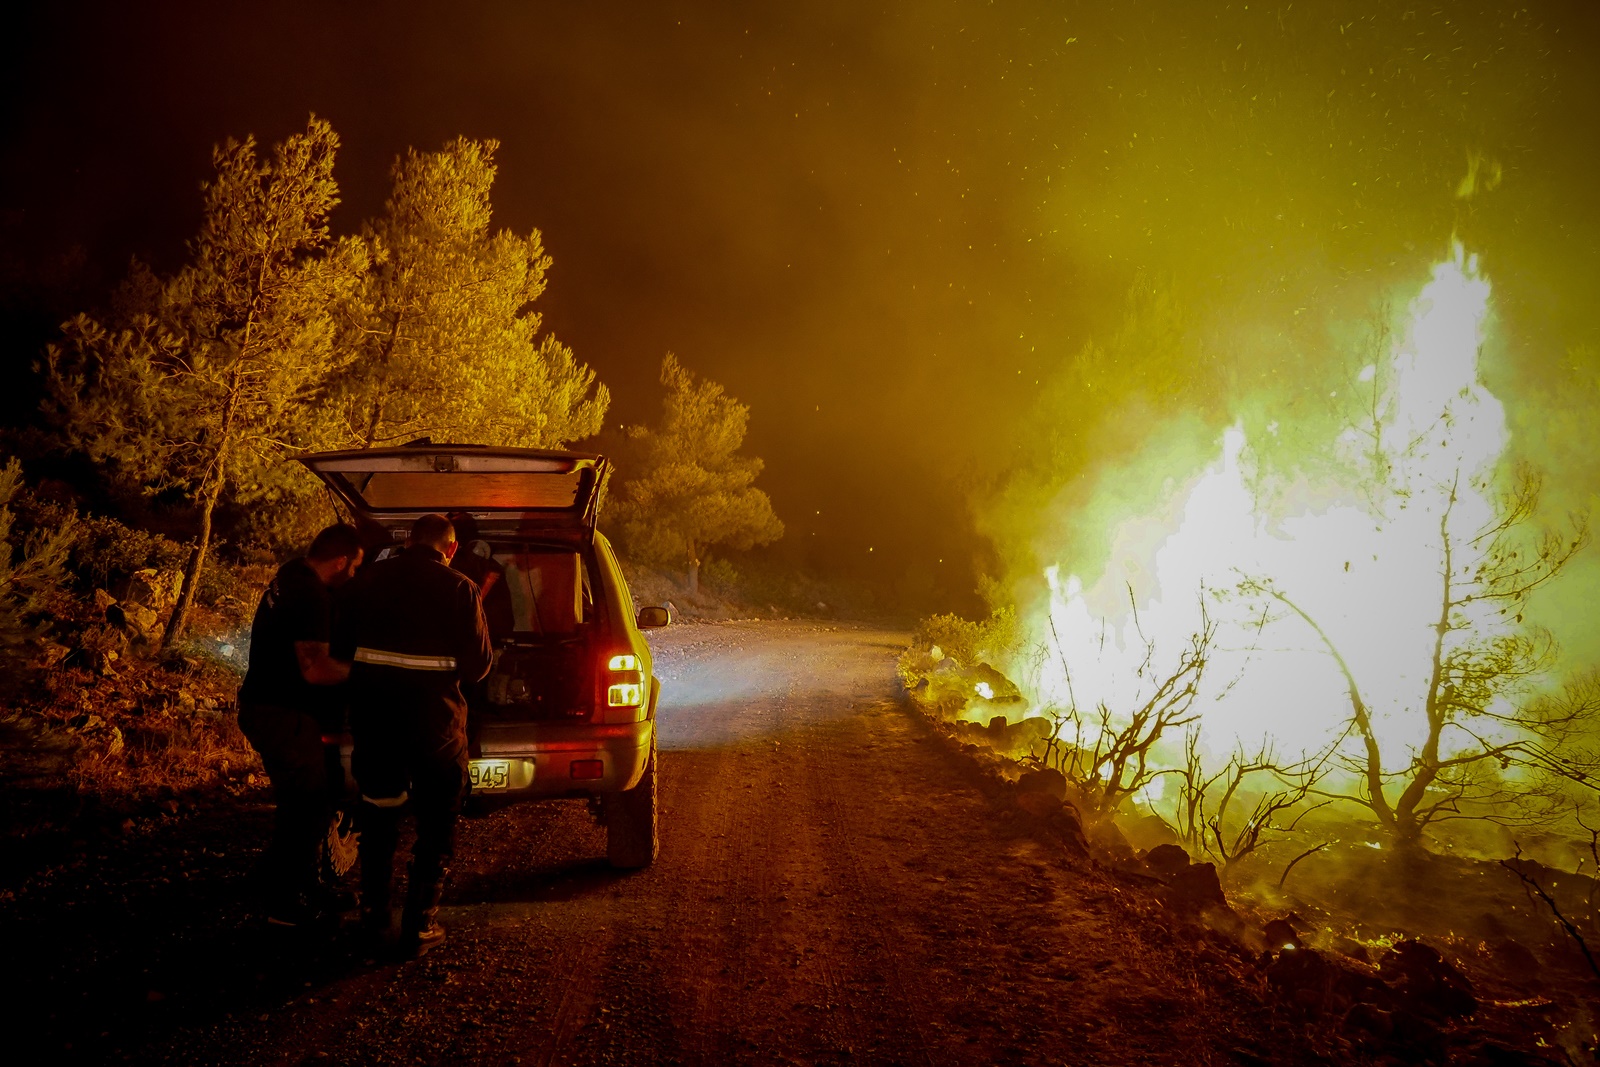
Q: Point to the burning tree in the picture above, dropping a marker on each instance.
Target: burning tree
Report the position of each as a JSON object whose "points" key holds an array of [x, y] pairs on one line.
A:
{"points": [[1206, 810], [1109, 752], [1382, 644], [1480, 713], [1426, 457]]}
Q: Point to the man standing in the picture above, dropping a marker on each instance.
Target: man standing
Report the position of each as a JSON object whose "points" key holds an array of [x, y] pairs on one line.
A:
{"points": [[280, 706], [476, 560], [416, 632]]}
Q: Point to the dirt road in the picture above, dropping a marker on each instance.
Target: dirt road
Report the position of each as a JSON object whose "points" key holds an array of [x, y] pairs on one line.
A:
{"points": [[832, 889]]}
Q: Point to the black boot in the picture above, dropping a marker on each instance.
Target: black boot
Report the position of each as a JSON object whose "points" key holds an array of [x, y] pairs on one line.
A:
{"points": [[379, 836], [419, 926], [376, 916]]}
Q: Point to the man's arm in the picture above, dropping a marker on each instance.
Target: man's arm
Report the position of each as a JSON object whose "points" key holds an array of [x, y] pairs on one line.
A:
{"points": [[317, 667], [477, 653]]}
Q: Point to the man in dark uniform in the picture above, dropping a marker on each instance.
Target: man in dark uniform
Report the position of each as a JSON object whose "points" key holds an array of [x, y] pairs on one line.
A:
{"points": [[476, 561], [281, 703], [416, 633]]}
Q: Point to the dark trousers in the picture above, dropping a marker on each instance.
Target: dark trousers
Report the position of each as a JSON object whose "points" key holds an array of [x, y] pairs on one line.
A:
{"points": [[290, 745], [396, 769]]}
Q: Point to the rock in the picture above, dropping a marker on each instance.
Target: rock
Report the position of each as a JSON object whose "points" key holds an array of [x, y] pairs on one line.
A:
{"points": [[1513, 959], [152, 588], [1423, 1040], [1148, 831], [1304, 977], [1104, 835], [997, 728], [103, 600], [183, 700], [1002, 690], [1035, 728], [1067, 825], [1425, 982], [1166, 861], [1369, 1020], [1196, 888], [1349, 946], [51, 654], [1489, 1053], [140, 618], [1280, 934], [1044, 780], [1039, 804], [178, 663], [1489, 925]]}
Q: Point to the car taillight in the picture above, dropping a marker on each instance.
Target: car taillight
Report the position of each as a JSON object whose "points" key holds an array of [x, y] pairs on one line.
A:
{"points": [[626, 682], [625, 688], [625, 694]]}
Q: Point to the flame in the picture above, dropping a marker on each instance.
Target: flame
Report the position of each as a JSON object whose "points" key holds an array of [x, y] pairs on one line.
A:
{"points": [[1360, 552]]}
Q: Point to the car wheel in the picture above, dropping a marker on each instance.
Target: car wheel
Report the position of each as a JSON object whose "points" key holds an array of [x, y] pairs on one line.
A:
{"points": [[631, 837]]}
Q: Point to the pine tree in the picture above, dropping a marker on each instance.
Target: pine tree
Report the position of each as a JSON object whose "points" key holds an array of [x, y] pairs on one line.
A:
{"points": [[203, 381], [693, 490], [448, 345]]}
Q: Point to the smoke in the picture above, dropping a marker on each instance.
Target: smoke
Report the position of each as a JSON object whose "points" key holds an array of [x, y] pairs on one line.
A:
{"points": [[1315, 522]]}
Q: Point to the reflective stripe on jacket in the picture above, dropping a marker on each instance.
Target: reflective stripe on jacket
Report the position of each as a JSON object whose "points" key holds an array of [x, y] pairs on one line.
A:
{"points": [[400, 659], [415, 631]]}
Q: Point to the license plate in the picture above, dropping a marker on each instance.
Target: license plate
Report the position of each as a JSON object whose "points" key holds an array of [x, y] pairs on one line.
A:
{"points": [[489, 773]]}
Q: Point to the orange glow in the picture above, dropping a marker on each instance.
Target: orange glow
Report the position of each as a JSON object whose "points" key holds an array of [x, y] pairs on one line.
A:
{"points": [[1359, 552]]}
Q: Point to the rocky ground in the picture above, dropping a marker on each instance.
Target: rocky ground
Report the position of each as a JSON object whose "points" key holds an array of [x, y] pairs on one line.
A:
{"points": [[839, 882]]}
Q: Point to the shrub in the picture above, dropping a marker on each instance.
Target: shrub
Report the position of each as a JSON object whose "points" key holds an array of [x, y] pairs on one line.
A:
{"points": [[720, 576], [966, 642], [31, 566], [107, 551]]}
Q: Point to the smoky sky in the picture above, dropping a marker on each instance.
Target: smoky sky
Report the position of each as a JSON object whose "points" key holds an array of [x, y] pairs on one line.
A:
{"points": [[882, 226]]}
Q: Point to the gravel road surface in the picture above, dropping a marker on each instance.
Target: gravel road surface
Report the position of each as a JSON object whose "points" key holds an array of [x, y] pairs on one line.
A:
{"points": [[832, 889]]}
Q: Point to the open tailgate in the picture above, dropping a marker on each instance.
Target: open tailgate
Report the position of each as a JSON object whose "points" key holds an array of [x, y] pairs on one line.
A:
{"points": [[522, 492]]}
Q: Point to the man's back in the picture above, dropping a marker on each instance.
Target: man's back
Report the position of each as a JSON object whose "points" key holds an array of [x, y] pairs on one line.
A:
{"points": [[415, 631], [296, 606]]}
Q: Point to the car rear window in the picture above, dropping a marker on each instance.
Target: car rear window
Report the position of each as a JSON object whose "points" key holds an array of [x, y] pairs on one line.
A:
{"points": [[466, 490], [551, 591]]}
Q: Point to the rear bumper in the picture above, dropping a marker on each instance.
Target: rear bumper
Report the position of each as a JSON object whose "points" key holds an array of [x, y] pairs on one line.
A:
{"points": [[550, 750]]}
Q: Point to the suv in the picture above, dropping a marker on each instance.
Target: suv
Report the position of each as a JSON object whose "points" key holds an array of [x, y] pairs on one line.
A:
{"points": [[569, 707]]}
